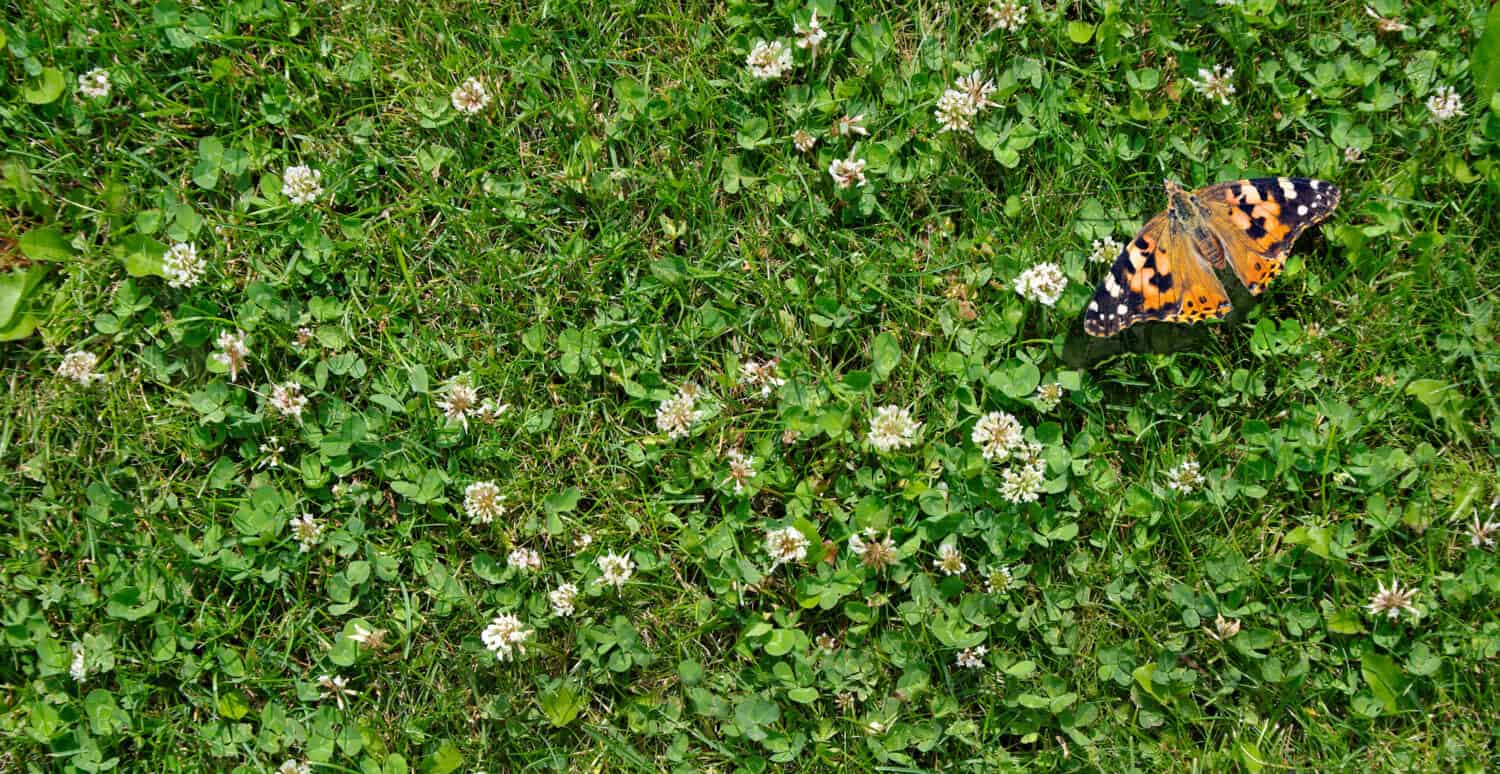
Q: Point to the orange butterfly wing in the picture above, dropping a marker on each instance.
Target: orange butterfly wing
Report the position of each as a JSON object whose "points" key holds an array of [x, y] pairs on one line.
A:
{"points": [[1258, 220], [1156, 277]]}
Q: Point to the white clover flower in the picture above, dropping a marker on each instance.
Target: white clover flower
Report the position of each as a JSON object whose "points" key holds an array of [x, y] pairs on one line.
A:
{"points": [[524, 559], [181, 265], [489, 411], [972, 658], [290, 766], [1022, 483], [741, 469], [959, 105], [287, 399], [997, 434], [302, 184], [308, 530], [1445, 104], [79, 669], [483, 502], [1383, 24], [1391, 601], [79, 366], [949, 561], [893, 428], [955, 112], [562, 599], [676, 415], [1048, 396], [506, 637], [804, 140], [1008, 15], [787, 544], [998, 580], [978, 87], [849, 126], [1217, 83], [1223, 628], [847, 172], [272, 449], [470, 96], [1482, 533], [335, 687], [1353, 155], [616, 569], [768, 61], [1105, 250], [811, 35], [234, 353], [94, 84], [582, 542], [1185, 478], [460, 399], [1043, 283], [873, 553], [373, 639], [760, 377]]}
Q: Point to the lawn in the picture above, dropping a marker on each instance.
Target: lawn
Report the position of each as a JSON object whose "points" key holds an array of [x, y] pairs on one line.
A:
{"points": [[507, 386]]}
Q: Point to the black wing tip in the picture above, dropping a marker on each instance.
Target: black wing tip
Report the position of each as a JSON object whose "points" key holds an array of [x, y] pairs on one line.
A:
{"points": [[1336, 194], [1096, 322], [1104, 325], [1322, 190]]}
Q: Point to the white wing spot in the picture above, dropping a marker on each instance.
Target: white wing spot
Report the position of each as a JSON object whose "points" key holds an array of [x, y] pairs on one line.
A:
{"points": [[1302, 210], [1122, 309], [1287, 189], [1093, 306]]}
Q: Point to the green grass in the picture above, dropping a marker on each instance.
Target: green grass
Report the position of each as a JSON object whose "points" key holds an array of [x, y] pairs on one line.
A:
{"points": [[629, 216]]}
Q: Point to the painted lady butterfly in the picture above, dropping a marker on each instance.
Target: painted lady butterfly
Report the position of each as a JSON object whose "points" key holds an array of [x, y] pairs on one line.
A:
{"points": [[1168, 271]]}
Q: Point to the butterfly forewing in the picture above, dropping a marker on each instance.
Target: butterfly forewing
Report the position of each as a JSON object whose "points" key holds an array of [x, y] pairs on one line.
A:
{"points": [[1155, 277], [1258, 221]]}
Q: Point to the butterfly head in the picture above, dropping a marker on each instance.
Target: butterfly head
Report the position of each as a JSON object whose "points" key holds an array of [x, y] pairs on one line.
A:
{"points": [[1179, 201]]}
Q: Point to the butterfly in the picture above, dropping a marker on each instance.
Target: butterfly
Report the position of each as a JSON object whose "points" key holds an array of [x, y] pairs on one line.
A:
{"points": [[1168, 271]]}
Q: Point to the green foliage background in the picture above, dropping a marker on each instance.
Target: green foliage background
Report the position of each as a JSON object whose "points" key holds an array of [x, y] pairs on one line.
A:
{"points": [[628, 216]]}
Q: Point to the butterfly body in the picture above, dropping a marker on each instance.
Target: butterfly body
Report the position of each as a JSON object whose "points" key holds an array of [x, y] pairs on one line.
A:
{"points": [[1167, 272]]}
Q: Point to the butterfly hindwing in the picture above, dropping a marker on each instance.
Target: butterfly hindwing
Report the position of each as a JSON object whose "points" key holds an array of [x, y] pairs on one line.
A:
{"points": [[1155, 277], [1202, 295], [1259, 219]]}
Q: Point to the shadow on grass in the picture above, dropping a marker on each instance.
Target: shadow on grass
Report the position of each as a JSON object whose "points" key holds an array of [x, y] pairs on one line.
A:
{"points": [[1158, 338]]}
